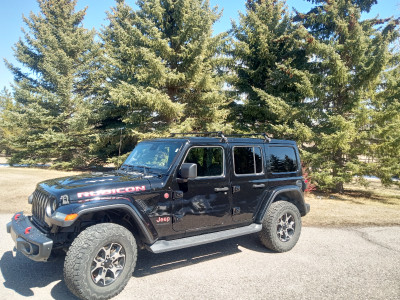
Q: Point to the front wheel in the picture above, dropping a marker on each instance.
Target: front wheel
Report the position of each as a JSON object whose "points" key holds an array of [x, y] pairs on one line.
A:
{"points": [[281, 226], [100, 261]]}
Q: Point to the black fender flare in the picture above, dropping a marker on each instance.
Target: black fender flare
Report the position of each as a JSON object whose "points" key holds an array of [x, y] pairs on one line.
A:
{"points": [[143, 223], [297, 199]]}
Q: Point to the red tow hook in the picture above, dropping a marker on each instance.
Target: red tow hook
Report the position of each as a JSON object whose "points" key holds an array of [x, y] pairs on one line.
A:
{"points": [[16, 217], [28, 230]]}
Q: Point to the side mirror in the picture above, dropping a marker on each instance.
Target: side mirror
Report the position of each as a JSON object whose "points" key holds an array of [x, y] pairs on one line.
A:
{"points": [[188, 171]]}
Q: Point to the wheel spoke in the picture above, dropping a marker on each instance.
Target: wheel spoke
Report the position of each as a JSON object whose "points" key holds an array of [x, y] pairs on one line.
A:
{"points": [[117, 253], [291, 225], [101, 275], [97, 263], [107, 251], [115, 270]]}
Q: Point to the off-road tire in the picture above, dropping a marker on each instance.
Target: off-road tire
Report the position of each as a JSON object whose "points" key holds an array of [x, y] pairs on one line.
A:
{"points": [[272, 232], [81, 255]]}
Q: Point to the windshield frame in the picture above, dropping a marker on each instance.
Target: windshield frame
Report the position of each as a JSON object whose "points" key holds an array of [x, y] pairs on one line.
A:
{"points": [[143, 168]]}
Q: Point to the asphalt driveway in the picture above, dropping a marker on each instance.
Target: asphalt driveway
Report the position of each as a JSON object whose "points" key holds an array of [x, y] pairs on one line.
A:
{"points": [[327, 263]]}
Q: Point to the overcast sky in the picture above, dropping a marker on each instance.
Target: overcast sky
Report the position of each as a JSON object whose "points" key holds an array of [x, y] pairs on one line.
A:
{"points": [[12, 10]]}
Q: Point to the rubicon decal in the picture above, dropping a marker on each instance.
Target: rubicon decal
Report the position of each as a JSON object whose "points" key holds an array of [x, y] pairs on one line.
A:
{"points": [[122, 190]]}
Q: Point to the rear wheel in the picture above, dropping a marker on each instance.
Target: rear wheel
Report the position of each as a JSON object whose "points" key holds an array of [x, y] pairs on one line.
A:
{"points": [[100, 261], [281, 226]]}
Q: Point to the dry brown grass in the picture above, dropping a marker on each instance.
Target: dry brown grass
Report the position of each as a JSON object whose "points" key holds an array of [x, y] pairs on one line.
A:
{"points": [[375, 205], [358, 206], [16, 184]]}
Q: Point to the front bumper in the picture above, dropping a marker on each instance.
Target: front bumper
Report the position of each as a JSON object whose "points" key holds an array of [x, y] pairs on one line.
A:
{"points": [[28, 239]]}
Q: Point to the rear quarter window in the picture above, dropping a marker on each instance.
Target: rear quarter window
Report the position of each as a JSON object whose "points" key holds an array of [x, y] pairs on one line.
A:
{"points": [[282, 159]]}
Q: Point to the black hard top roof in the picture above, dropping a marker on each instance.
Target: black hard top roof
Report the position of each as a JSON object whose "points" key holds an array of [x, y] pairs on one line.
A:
{"points": [[229, 140]]}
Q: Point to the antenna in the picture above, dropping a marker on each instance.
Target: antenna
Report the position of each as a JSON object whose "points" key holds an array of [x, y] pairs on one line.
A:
{"points": [[119, 148]]}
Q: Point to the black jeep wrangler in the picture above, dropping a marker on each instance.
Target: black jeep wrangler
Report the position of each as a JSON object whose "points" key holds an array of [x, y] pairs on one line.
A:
{"points": [[169, 194]]}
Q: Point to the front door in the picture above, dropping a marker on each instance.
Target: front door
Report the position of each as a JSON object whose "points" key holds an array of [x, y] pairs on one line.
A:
{"points": [[204, 200]]}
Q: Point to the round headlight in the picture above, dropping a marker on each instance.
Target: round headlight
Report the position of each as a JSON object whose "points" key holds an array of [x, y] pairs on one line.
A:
{"points": [[53, 204], [30, 199]]}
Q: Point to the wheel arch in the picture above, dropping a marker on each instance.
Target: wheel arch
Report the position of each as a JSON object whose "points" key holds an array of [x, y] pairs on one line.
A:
{"points": [[137, 223], [291, 194]]}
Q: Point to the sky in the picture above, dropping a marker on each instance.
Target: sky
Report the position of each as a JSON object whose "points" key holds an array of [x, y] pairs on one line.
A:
{"points": [[11, 22]]}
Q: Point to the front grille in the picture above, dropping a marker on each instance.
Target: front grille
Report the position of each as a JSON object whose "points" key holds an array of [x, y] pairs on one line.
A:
{"points": [[39, 205]]}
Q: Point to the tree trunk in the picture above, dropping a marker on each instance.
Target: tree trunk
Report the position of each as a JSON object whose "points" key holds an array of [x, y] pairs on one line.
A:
{"points": [[339, 188]]}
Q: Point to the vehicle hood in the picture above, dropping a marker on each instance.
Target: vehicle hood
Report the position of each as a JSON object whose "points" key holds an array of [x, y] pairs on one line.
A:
{"points": [[97, 184]]}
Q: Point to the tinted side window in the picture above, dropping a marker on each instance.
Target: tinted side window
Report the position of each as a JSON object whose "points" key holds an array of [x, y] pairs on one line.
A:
{"points": [[248, 160], [282, 159], [209, 160]]}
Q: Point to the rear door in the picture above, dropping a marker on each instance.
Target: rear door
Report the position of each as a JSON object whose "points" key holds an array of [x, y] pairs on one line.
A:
{"points": [[248, 181]]}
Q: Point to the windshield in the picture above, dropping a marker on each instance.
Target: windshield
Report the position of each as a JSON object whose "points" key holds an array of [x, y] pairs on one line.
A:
{"points": [[153, 155]]}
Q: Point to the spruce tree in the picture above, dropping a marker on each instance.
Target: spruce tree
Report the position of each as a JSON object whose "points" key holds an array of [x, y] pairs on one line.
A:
{"points": [[164, 67], [6, 104], [385, 123], [54, 88], [350, 55], [272, 81]]}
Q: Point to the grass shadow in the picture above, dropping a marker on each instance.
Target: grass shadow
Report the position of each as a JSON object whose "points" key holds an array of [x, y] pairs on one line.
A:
{"points": [[358, 196]]}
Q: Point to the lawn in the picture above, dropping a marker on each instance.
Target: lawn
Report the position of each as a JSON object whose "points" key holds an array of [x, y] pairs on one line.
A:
{"points": [[358, 206], [16, 184], [375, 205]]}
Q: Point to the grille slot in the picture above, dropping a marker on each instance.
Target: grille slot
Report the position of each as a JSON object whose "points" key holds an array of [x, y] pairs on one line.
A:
{"points": [[39, 205]]}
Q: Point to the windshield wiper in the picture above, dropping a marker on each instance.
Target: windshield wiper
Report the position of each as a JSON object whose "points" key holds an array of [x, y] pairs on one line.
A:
{"points": [[144, 169], [127, 168], [135, 168]]}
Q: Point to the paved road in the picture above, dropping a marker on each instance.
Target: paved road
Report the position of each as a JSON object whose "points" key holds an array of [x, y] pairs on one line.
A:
{"points": [[352, 263]]}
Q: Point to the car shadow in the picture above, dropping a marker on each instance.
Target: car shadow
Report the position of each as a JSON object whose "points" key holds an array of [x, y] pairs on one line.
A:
{"points": [[149, 263], [23, 275]]}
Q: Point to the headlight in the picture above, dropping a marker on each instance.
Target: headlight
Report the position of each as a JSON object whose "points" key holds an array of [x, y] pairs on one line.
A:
{"points": [[30, 199], [52, 205]]}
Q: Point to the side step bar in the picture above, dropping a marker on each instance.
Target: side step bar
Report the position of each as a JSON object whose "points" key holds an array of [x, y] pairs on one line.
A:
{"points": [[164, 246]]}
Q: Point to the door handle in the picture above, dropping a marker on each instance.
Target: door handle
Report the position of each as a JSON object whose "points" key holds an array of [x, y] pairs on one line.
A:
{"points": [[223, 189], [258, 186]]}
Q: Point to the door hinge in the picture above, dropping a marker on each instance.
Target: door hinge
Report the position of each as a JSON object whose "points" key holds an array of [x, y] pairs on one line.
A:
{"points": [[177, 218], [235, 210], [177, 195]]}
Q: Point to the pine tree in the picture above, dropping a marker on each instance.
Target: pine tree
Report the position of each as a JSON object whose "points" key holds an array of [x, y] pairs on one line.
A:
{"points": [[271, 78], [385, 124], [349, 56], [54, 90], [6, 104], [165, 67]]}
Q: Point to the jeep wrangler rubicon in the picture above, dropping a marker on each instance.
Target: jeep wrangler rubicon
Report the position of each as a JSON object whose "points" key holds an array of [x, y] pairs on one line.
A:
{"points": [[169, 194]]}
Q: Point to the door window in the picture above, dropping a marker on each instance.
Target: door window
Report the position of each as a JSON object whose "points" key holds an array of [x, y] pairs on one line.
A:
{"points": [[247, 160], [209, 160]]}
